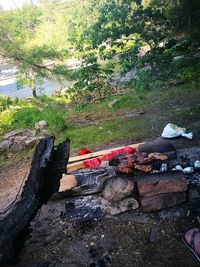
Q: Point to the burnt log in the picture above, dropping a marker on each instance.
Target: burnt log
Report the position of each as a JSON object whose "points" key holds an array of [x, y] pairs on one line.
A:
{"points": [[162, 201], [48, 165], [155, 184]]}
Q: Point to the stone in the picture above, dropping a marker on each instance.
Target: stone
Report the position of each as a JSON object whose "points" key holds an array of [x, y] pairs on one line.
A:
{"points": [[172, 213], [117, 188], [28, 133], [154, 184], [31, 141], [6, 144], [120, 207], [188, 170], [41, 125], [197, 164], [162, 201], [11, 134], [19, 139], [155, 234], [178, 168]]}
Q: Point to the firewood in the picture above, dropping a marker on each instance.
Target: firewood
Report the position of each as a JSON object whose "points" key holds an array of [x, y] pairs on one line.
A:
{"points": [[99, 153], [47, 168]]}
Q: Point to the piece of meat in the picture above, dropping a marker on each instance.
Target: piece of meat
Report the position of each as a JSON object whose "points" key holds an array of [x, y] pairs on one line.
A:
{"points": [[124, 169], [157, 156], [143, 168], [142, 158]]}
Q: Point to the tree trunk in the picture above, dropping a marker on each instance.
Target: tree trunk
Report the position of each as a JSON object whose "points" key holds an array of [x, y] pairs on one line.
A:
{"points": [[47, 168], [34, 90]]}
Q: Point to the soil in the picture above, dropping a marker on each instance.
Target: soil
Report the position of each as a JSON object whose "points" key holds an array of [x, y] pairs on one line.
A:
{"points": [[129, 239]]}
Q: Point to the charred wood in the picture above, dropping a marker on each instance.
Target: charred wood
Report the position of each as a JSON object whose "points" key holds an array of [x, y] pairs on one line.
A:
{"points": [[47, 167]]}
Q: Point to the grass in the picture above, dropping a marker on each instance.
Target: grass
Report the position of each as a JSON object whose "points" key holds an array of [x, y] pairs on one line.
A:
{"points": [[95, 136]]}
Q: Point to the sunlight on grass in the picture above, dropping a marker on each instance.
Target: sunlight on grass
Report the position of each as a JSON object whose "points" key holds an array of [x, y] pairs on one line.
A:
{"points": [[106, 133]]}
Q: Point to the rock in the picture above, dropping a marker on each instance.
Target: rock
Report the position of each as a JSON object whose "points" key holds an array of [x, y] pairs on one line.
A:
{"points": [[28, 133], [155, 234], [6, 144], [18, 133], [121, 206], [154, 184], [10, 134], [188, 170], [118, 188], [178, 168], [20, 139], [172, 213], [42, 127], [163, 167], [31, 141], [161, 201], [197, 164]]}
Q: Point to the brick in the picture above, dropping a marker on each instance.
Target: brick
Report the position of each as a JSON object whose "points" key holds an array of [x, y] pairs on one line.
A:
{"points": [[154, 184], [158, 202]]}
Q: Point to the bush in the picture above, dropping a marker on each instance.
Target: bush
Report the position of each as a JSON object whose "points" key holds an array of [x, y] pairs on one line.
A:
{"points": [[27, 117]]}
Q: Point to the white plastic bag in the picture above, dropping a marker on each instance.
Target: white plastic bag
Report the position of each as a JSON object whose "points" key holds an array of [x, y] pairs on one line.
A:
{"points": [[172, 130]]}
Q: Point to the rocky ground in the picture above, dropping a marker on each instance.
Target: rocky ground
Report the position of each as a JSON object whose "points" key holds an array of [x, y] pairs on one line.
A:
{"points": [[129, 239]]}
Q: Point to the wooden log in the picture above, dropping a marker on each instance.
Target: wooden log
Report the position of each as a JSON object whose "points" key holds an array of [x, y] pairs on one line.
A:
{"points": [[154, 184], [85, 183], [47, 167], [161, 201]]}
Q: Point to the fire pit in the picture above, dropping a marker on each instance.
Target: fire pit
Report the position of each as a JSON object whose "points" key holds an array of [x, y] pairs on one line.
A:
{"points": [[152, 183]]}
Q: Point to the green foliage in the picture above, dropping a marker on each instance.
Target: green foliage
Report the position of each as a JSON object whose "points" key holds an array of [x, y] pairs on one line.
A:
{"points": [[23, 114], [5, 102]]}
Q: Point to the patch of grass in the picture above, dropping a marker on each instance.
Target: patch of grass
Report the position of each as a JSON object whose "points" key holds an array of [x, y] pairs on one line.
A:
{"points": [[26, 117], [95, 136]]}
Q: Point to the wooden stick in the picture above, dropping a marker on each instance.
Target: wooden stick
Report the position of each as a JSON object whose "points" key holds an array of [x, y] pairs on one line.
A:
{"points": [[99, 153], [78, 165], [78, 161]]}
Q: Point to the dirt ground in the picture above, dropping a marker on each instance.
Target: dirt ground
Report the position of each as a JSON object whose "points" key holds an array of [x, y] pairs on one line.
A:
{"points": [[129, 239]]}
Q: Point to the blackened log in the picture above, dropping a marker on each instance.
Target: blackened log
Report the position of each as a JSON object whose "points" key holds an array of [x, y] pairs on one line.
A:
{"points": [[47, 167]]}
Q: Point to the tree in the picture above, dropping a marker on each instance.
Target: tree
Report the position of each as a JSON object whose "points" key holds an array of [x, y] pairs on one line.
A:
{"points": [[22, 42]]}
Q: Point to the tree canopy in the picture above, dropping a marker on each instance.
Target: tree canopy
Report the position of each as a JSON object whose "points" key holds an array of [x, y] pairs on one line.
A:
{"points": [[39, 38]]}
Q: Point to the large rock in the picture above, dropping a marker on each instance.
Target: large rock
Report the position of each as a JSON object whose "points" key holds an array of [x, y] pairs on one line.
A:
{"points": [[158, 202], [19, 139], [19, 133], [118, 188], [154, 184]]}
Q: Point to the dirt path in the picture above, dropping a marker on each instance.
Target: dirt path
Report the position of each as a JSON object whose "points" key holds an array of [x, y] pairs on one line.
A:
{"points": [[10, 182]]}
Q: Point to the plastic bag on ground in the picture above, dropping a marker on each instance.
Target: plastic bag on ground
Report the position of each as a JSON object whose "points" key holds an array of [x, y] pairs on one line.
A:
{"points": [[172, 130]]}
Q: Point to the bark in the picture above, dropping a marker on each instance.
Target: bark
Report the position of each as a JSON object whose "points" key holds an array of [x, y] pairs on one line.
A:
{"points": [[34, 91], [47, 167]]}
